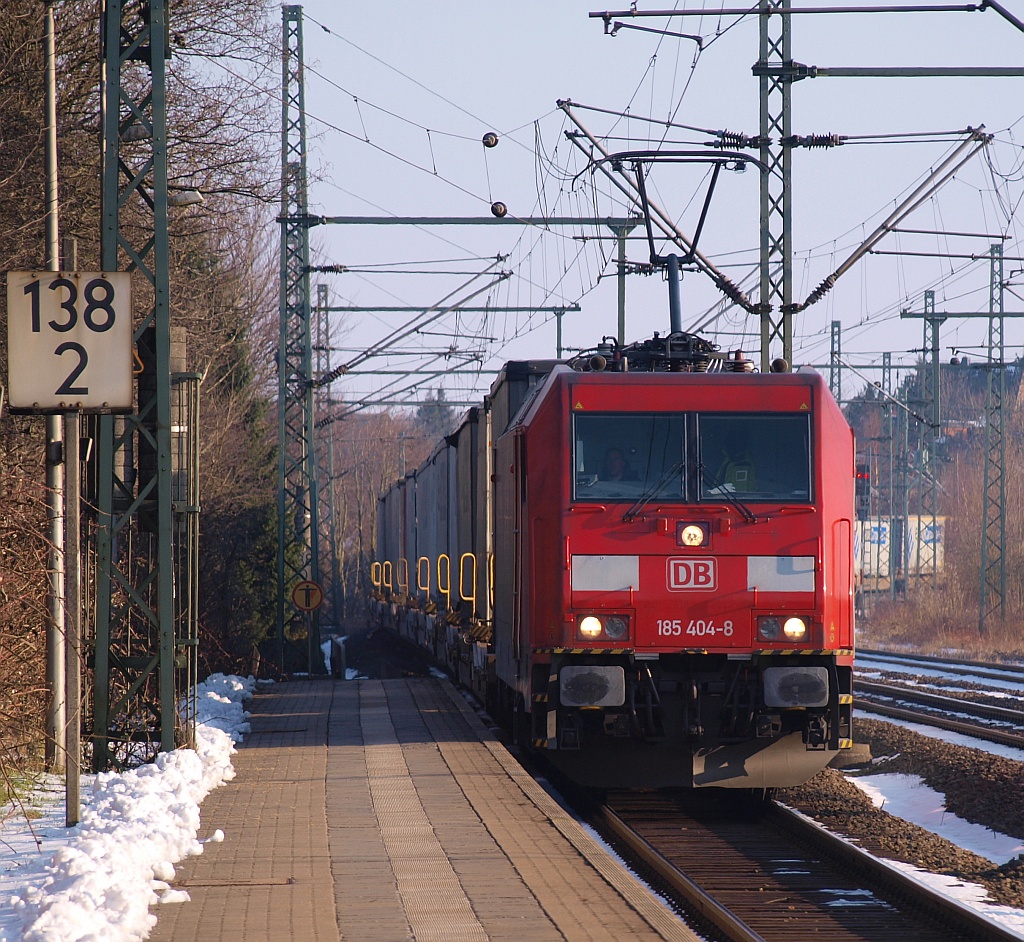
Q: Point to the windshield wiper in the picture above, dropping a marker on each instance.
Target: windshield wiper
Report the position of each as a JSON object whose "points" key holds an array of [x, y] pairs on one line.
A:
{"points": [[649, 492], [721, 490]]}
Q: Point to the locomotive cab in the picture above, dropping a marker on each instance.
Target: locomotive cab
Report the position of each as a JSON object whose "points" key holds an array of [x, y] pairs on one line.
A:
{"points": [[678, 603]]}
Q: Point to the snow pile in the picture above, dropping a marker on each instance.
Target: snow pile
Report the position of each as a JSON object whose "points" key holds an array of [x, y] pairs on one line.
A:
{"points": [[134, 827], [909, 798], [219, 701]]}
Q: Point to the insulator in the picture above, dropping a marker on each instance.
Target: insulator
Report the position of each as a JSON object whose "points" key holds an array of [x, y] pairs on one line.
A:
{"points": [[732, 139], [814, 140], [818, 293], [738, 363], [499, 209], [490, 139]]}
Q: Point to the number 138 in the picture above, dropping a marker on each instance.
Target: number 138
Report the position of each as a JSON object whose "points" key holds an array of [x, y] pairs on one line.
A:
{"points": [[97, 315]]}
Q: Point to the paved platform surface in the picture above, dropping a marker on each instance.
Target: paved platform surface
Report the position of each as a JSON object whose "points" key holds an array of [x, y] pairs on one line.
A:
{"points": [[385, 811]]}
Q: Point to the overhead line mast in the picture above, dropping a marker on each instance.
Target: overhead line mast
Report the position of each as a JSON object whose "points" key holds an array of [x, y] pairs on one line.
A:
{"points": [[298, 527], [776, 118], [146, 623], [993, 536]]}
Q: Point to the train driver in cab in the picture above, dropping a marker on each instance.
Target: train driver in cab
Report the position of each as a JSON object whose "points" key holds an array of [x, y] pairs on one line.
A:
{"points": [[616, 468], [737, 468]]}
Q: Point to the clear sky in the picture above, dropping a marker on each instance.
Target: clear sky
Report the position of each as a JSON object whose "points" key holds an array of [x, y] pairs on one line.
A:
{"points": [[424, 82]]}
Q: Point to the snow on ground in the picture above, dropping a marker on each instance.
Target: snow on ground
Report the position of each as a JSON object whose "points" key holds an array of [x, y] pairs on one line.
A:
{"points": [[909, 798], [1010, 682], [966, 894], [95, 882], [957, 739]]}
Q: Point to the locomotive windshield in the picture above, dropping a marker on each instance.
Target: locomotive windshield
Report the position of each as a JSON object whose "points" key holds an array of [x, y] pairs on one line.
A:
{"points": [[763, 457], [628, 455], [677, 457]]}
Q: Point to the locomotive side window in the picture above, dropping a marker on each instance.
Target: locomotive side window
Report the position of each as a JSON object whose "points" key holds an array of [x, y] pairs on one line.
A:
{"points": [[763, 457], [627, 456]]}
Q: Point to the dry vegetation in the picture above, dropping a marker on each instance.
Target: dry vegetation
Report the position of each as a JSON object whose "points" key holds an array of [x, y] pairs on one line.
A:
{"points": [[223, 140], [946, 617]]}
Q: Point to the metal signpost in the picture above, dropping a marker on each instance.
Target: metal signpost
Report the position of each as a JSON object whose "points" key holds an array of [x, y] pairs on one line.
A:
{"points": [[69, 342]]}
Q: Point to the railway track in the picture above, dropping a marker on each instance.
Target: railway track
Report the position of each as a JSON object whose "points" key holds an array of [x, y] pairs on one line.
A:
{"points": [[971, 726], [960, 715], [949, 665], [775, 876]]}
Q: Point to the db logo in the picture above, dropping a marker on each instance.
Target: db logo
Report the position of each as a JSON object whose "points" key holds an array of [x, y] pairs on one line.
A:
{"points": [[691, 574]]}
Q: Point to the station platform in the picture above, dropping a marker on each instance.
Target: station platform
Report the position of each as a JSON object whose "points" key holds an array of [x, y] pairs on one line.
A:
{"points": [[384, 811]]}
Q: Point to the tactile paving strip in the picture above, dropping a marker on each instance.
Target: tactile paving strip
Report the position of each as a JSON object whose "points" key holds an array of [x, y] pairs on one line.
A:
{"points": [[434, 900]]}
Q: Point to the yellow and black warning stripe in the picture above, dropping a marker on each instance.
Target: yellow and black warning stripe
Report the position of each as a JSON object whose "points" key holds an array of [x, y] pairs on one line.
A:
{"points": [[582, 650], [818, 652]]}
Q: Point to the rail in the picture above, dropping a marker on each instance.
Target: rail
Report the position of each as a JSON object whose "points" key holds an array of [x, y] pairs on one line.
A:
{"points": [[1014, 740], [952, 665], [655, 837], [734, 928], [951, 704]]}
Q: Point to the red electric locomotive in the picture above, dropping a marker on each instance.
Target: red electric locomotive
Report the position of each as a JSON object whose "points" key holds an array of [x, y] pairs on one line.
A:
{"points": [[670, 597]]}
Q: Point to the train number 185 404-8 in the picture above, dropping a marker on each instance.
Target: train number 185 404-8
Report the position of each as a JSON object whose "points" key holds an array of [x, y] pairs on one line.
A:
{"points": [[695, 627]]}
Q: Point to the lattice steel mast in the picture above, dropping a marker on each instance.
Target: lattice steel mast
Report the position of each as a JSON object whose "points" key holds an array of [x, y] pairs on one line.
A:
{"points": [[138, 635], [993, 538], [776, 89], [330, 574], [928, 435], [298, 528], [835, 375], [928, 525], [993, 524]]}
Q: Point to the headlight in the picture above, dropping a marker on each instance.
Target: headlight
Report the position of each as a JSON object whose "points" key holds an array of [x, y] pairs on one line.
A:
{"points": [[782, 627], [795, 629], [603, 627], [616, 628], [692, 534]]}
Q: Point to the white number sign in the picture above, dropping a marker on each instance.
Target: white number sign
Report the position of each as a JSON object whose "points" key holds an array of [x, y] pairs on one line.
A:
{"points": [[69, 341]]}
